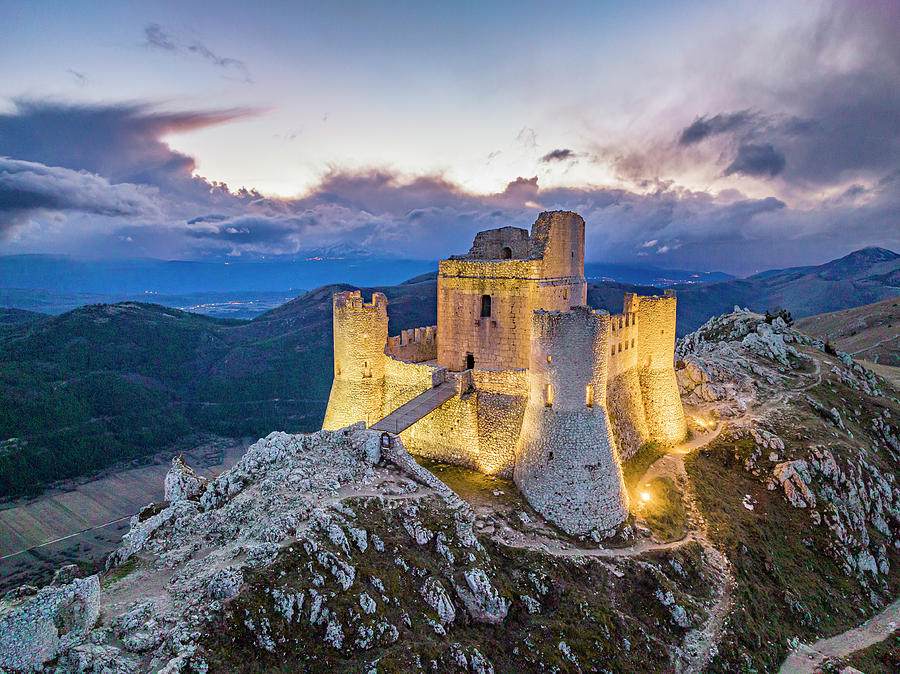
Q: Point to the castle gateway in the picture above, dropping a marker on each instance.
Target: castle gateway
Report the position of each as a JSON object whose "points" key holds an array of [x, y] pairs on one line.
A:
{"points": [[519, 378]]}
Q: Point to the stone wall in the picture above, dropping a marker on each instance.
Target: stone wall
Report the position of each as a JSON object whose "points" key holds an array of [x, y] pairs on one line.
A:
{"points": [[567, 465], [403, 381], [625, 407], [449, 433], [501, 404], [498, 341], [624, 402], [557, 239], [503, 243], [550, 277], [656, 366]]}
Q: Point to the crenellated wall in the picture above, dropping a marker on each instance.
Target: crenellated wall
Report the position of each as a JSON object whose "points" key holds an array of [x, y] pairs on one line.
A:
{"points": [[416, 345]]}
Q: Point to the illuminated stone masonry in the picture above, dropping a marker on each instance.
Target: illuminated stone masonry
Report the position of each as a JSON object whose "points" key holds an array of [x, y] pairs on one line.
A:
{"points": [[548, 391]]}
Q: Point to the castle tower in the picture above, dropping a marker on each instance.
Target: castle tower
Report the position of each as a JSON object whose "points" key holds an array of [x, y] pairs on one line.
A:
{"points": [[656, 366], [567, 465], [360, 336], [485, 297]]}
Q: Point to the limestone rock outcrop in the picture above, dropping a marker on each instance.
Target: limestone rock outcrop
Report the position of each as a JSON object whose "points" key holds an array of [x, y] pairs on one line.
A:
{"points": [[35, 628]]}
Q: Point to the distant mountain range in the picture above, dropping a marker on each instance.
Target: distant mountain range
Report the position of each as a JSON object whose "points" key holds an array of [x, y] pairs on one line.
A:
{"points": [[103, 383], [862, 277], [239, 288]]}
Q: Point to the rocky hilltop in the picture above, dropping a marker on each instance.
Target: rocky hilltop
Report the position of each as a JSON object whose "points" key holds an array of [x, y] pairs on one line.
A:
{"points": [[776, 523]]}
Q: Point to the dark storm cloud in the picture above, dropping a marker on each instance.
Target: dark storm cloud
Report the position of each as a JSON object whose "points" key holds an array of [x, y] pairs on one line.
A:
{"points": [[558, 155], [120, 142], [832, 113], [157, 38], [704, 127], [29, 188], [81, 161], [757, 160]]}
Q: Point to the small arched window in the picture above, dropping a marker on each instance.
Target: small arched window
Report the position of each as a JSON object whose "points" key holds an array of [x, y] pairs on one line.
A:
{"points": [[485, 306], [589, 395], [565, 293], [548, 395], [506, 253], [367, 371]]}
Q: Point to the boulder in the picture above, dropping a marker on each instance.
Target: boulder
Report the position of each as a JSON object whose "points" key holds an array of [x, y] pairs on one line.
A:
{"points": [[35, 629]]}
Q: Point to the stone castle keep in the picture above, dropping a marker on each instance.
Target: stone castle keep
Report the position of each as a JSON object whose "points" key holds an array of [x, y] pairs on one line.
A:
{"points": [[519, 378]]}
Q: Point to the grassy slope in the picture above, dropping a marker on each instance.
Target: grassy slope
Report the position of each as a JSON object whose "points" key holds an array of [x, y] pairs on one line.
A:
{"points": [[788, 582], [869, 332]]}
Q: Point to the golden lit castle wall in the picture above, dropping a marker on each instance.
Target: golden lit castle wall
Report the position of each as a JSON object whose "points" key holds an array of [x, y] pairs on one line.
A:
{"points": [[449, 433], [625, 403], [485, 298], [360, 335], [567, 465], [656, 369], [403, 381], [498, 341], [415, 345], [502, 396]]}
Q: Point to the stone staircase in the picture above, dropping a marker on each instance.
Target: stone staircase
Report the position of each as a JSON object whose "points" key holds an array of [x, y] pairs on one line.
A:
{"points": [[420, 406]]}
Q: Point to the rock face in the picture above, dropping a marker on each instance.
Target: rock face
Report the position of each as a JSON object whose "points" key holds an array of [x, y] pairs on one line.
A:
{"points": [[844, 474], [35, 628], [182, 482]]}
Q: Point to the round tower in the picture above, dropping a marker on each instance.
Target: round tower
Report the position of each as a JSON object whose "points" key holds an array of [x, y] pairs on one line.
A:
{"points": [[360, 337], [656, 367], [567, 465]]}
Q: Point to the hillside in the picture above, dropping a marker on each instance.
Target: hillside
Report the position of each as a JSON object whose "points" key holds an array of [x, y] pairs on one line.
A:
{"points": [[773, 526], [862, 277], [870, 332], [107, 383]]}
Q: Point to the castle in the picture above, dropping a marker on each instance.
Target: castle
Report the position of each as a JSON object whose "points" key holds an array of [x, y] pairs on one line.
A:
{"points": [[519, 378]]}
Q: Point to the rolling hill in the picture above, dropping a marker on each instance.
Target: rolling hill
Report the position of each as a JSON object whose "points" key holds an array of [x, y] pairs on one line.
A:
{"points": [[862, 277]]}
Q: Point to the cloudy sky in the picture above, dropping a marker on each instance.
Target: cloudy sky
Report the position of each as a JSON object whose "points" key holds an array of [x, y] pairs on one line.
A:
{"points": [[734, 136]]}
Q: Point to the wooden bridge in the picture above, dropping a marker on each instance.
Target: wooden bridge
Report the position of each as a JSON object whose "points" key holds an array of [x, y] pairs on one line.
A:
{"points": [[423, 404]]}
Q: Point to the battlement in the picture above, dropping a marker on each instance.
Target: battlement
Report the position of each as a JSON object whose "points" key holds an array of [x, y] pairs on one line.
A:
{"points": [[415, 345], [352, 299]]}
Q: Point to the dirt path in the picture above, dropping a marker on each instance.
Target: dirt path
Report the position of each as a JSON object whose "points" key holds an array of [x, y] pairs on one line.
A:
{"points": [[809, 658]]}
